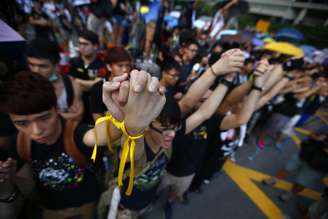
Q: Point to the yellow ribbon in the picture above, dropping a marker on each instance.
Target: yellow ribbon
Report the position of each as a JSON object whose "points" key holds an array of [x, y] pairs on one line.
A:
{"points": [[128, 148]]}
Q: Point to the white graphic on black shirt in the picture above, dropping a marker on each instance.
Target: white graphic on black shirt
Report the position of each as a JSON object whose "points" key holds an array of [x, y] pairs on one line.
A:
{"points": [[59, 173]]}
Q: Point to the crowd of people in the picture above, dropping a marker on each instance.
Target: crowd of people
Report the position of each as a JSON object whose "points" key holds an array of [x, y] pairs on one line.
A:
{"points": [[140, 115]]}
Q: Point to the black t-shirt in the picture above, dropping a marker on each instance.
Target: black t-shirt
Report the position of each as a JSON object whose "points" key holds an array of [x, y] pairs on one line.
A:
{"points": [[60, 181], [96, 103], [102, 8], [312, 104], [289, 107], [95, 69], [118, 8], [6, 126], [41, 31], [188, 150], [146, 182], [213, 133]]}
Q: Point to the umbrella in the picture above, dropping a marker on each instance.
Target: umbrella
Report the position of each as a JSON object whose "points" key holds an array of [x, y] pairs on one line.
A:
{"points": [[257, 42], [228, 32], [240, 8], [284, 48], [289, 34], [308, 50]]}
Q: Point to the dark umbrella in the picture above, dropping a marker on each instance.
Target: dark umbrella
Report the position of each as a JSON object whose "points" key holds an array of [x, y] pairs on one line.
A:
{"points": [[240, 8], [289, 35]]}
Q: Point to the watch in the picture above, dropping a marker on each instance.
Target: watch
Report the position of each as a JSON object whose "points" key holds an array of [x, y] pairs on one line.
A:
{"points": [[254, 87], [227, 83]]}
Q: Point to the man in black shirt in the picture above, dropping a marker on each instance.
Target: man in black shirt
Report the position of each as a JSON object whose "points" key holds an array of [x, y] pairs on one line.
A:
{"points": [[87, 67]]}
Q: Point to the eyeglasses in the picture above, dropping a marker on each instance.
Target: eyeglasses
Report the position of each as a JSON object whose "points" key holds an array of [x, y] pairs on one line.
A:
{"points": [[165, 130], [80, 43]]}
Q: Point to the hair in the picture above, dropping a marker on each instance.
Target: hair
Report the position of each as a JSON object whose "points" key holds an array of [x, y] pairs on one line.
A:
{"points": [[169, 64], [189, 42], [90, 36], [215, 56], [117, 54], [43, 49], [171, 113], [27, 93]]}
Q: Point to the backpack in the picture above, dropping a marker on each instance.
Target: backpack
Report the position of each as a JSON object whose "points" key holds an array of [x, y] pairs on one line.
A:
{"points": [[23, 145]]}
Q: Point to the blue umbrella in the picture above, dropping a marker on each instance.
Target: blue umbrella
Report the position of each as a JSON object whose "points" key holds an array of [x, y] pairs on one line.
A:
{"points": [[308, 50], [289, 34], [257, 42]]}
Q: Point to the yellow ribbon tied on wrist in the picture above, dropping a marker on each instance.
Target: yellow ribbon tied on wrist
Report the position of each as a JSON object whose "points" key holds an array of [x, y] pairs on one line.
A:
{"points": [[128, 148]]}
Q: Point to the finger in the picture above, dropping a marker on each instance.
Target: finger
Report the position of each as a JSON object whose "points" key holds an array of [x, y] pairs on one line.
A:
{"points": [[237, 64], [153, 85], [161, 90], [120, 78], [111, 86], [138, 81], [123, 93]]}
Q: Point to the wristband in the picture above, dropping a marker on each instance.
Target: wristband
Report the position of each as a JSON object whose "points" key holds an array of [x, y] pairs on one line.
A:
{"points": [[212, 71], [128, 148], [254, 87], [288, 77], [227, 83]]}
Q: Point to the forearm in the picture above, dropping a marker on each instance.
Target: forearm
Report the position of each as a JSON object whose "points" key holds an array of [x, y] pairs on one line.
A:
{"points": [[306, 94], [249, 107], [139, 148], [207, 109], [237, 94], [86, 85], [275, 75], [271, 93], [196, 91], [100, 134]]}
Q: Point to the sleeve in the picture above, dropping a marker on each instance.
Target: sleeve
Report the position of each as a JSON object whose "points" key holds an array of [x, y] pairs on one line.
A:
{"points": [[6, 126], [96, 104], [73, 69], [79, 133]]}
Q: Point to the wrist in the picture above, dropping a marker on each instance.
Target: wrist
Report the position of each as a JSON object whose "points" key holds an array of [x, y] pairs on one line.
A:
{"points": [[257, 88], [214, 73], [227, 83], [133, 129]]}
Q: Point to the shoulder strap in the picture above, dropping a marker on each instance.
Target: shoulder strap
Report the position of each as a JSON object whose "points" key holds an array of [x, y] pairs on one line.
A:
{"points": [[69, 143], [23, 145], [69, 89]]}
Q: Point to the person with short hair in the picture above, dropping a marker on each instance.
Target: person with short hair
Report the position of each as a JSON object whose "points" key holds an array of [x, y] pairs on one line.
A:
{"points": [[43, 58], [118, 62], [170, 74], [87, 67]]}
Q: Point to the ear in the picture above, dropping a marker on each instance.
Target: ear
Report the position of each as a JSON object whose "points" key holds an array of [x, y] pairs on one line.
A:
{"points": [[108, 67]]}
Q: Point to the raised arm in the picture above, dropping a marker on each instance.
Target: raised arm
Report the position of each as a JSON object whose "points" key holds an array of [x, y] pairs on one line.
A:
{"points": [[231, 61], [208, 108], [272, 93], [137, 102], [249, 104]]}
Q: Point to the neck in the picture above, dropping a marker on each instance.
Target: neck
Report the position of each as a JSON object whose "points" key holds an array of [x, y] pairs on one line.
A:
{"points": [[88, 59], [151, 141], [163, 83], [185, 59]]}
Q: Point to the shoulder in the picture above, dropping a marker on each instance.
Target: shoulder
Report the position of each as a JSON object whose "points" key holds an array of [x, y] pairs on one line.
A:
{"points": [[97, 87]]}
